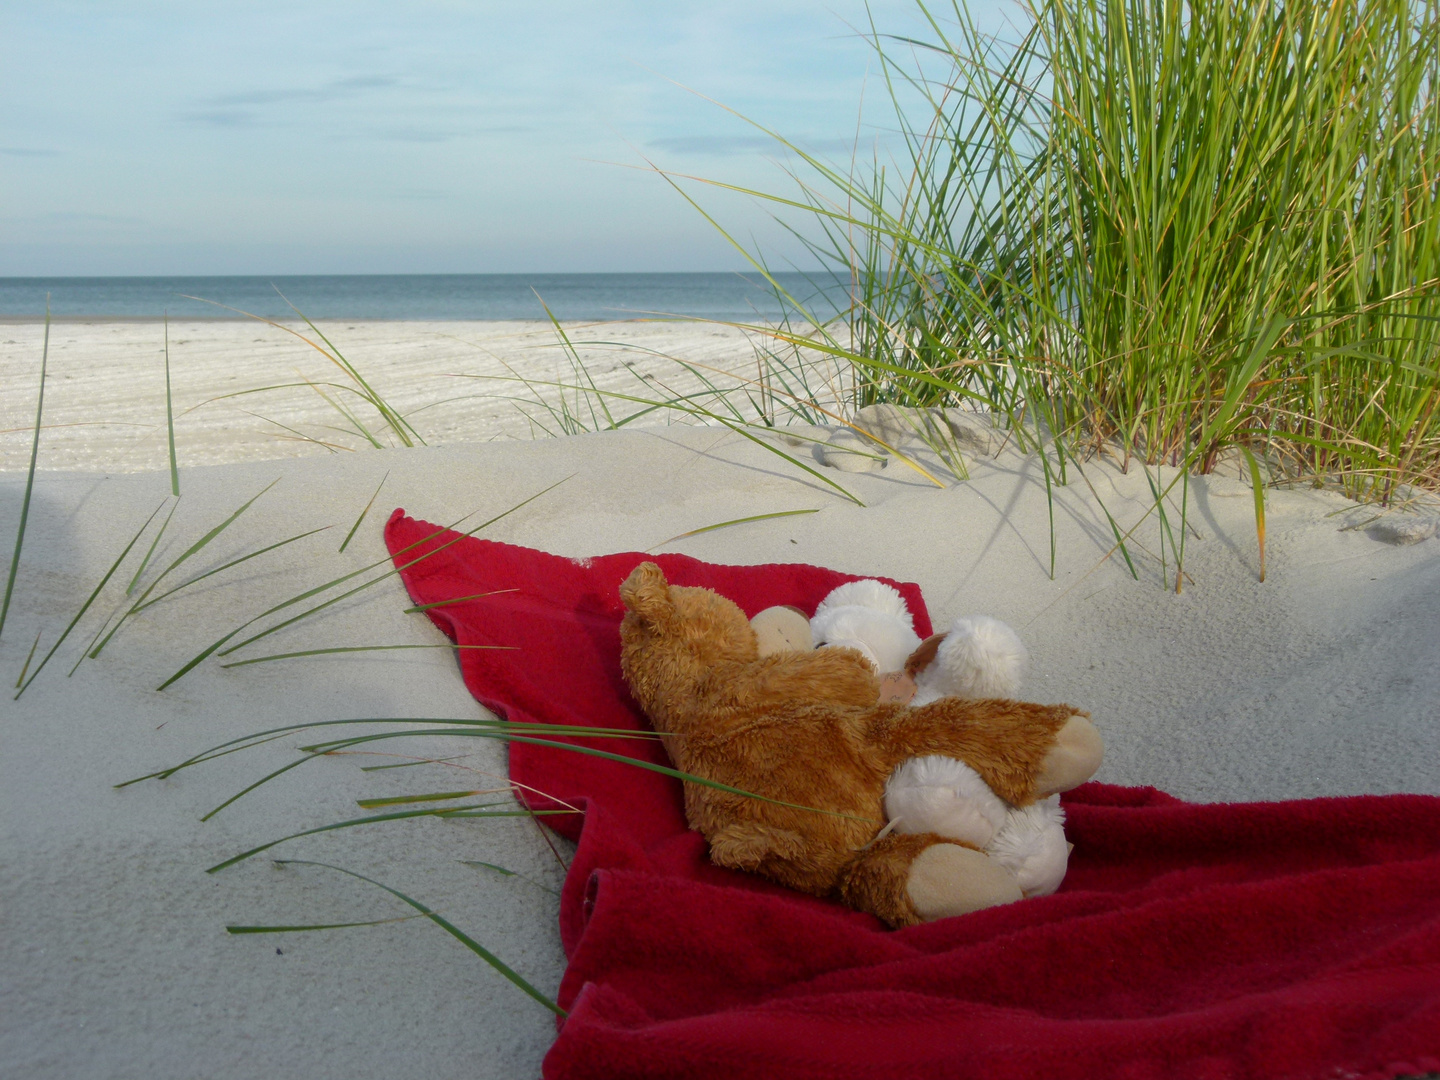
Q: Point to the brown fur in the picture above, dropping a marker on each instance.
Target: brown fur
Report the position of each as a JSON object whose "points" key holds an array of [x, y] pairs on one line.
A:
{"points": [[875, 879], [804, 728]]}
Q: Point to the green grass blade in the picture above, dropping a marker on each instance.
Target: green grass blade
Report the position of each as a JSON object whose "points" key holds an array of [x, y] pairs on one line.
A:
{"points": [[30, 478], [356, 527], [736, 521], [89, 600], [142, 603], [200, 544], [400, 800], [85, 652], [230, 929], [411, 764], [1257, 485], [170, 415], [150, 552], [509, 736], [299, 598], [28, 657], [139, 607], [355, 649], [454, 931], [362, 388], [456, 600], [793, 460], [395, 815], [257, 738], [476, 864], [1184, 521], [374, 581], [497, 729]]}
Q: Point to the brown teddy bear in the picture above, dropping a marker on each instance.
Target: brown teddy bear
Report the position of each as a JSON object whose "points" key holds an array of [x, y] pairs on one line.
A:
{"points": [[807, 729]]}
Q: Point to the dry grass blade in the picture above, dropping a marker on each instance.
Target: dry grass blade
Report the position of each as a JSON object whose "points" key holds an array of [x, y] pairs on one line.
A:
{"points": [[407, 435], [30, 478]]}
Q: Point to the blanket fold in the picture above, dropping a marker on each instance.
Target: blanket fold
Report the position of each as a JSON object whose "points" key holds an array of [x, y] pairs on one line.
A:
{"points": [[1297, 939]]}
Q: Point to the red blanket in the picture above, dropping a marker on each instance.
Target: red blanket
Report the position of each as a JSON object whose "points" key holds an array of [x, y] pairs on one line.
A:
{"points": [[1268, 940]]}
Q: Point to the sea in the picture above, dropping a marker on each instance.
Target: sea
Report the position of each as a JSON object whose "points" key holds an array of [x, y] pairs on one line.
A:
{"points": [[734, 297]]}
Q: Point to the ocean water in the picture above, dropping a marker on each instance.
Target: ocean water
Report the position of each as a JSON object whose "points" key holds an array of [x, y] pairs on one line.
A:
{"points": [[727, 296]]}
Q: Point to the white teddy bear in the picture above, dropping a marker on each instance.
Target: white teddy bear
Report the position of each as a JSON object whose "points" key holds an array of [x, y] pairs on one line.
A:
{"points": [[978, 657]]}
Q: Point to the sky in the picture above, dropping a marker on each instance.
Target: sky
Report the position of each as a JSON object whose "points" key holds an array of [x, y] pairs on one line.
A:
{"points": [[434, 136]]}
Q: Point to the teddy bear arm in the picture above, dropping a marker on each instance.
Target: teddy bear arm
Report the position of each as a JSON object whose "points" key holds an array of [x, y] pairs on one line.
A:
{"points": [[746, 845], [826, 676], [1006, 742]]}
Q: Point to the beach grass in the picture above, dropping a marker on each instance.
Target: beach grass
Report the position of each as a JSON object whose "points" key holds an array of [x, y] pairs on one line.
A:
{"points": [[1157, 230], [1181, 234], [29, 485]]}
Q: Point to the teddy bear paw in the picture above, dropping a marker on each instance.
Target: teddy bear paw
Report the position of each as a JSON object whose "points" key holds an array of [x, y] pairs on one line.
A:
{"points": [[947, 879], [1074, 758]]}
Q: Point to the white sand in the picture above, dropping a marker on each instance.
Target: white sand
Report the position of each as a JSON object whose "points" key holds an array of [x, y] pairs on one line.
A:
{"points": [[1323, 680], [454, 381]]}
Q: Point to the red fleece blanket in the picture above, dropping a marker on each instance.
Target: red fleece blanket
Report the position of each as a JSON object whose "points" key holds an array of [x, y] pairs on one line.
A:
{"points": [[1297, 939]]}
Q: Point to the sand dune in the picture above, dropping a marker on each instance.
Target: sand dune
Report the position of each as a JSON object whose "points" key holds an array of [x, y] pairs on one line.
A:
{"points": [[1320, 681]]}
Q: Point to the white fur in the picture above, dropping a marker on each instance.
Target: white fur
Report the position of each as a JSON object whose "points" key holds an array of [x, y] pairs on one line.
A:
{"points": [[980, 657], [945, 796], [887, 641], [1031, 845], [867, 593]]}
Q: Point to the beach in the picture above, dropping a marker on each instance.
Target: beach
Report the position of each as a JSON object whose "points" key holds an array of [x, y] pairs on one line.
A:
{"points": [[1319, 681], [105, 396]]}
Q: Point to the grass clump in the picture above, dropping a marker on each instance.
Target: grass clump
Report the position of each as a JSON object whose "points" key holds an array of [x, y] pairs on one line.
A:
{"points": [[1157, 229]]}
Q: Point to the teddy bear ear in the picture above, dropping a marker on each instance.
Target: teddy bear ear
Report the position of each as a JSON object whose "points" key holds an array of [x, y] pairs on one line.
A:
{"points": [[924, 656], [647, 593]]}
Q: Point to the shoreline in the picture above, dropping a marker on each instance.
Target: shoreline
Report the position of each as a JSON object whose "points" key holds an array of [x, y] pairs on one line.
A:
{"points": [[39, 320]]}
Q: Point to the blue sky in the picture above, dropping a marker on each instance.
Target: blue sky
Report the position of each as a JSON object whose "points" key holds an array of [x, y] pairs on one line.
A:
{"points": [[425, 137]]}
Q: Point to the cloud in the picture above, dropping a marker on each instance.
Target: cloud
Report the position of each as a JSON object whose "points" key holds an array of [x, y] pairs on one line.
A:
{"points": [[339, 88], [26, 151], [75, 217], [221, 118], [732, 145], [424, 194], [413, 135], [241, 110]]}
